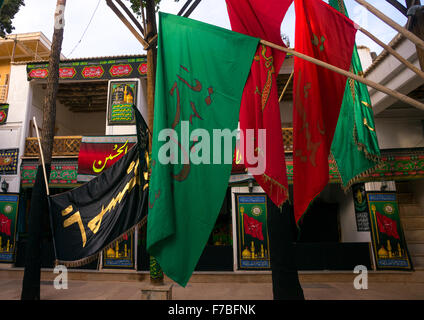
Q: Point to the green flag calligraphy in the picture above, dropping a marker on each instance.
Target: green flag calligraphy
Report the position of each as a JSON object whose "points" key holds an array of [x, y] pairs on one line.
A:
{"points": [[355, 147], [201, 73]]}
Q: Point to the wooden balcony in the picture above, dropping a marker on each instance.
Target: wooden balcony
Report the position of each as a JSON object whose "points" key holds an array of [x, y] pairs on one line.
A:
{"points": [[62, 147], [69, 146]]}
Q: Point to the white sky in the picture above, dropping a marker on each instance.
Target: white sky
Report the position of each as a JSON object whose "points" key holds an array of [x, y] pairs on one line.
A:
{"points": [[107, 35]]}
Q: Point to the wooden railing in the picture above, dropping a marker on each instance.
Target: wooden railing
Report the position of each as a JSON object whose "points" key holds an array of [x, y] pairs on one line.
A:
{"points": [[69, 146], [62, 147], [288, 139], [3, 93]]}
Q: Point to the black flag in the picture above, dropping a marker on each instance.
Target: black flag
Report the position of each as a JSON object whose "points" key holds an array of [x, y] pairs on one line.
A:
{"points": [[90, 218]]}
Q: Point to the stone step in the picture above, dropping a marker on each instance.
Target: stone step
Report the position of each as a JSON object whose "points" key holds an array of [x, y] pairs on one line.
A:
{"points": [[406, 198], [408, 210], [414, 235], [415, 249], [412, 222]]}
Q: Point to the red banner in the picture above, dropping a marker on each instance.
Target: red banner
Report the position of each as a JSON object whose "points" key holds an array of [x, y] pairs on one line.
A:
{"points": [[38, 74], [260, 108], [323, 33], [120, 70], [99, 153], [93, 72], [253, 227], [67, 72], [5, 224]]}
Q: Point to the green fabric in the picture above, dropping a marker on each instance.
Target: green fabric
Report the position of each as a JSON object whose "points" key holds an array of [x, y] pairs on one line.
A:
{"points": [[355, 146], [215, 62]]}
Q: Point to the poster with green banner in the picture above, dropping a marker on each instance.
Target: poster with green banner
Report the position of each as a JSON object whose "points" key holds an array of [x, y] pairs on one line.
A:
{"points": [[8, 217], [122, 95], [388, 241], [121, 254], [361, 207], [252, 232]]}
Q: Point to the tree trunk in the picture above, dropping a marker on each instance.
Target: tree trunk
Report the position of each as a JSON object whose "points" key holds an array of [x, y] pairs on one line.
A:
{"points": [[156, 273], [416, 26], [49, 106], [39, 201]]}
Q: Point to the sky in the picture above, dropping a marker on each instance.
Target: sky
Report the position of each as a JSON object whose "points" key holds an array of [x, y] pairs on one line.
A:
{"points": [[107, 35]]}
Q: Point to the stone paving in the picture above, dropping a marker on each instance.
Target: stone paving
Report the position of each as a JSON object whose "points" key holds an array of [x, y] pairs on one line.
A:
{"points": [[10, 289]]}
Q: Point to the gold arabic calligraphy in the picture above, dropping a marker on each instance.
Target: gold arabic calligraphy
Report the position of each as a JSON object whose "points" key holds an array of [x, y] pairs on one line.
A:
{"points": [[110, 157]]}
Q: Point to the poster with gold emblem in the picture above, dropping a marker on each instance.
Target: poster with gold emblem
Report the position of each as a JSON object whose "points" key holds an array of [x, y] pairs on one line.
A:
{"points": [[8, 216], [361, 207], [122, 95], [253, 242], [121, 254], [388, 240]]}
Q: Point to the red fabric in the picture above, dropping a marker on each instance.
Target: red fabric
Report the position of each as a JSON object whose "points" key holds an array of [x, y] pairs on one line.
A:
{"points": [[387, 225], [253, 227], [5, 224], [259, 106], [323, 33]]}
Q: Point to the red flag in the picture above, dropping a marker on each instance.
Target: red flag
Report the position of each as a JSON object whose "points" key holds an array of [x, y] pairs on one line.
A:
{"points": [[387, 225], [5, 224], [323, 33], [260, 108], [252, 227]]}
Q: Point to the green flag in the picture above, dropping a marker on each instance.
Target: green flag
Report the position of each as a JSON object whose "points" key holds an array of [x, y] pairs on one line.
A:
{"points": [[355, 147], [201, 73]]}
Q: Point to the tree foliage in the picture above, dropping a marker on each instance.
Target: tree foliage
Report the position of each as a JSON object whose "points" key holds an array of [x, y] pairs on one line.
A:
{"points": [[7, 13], [136, 5]]}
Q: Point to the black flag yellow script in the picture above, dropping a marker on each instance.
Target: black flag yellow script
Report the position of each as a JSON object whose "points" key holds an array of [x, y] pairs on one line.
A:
{"points": [[89, 218]]}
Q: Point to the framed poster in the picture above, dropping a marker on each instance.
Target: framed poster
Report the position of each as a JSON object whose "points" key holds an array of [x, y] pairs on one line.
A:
{"points": [[9, 161], [388, 240], [4, 110], [361, 207], [121, 255], [122, 95], [252, 233], [9, 204]]}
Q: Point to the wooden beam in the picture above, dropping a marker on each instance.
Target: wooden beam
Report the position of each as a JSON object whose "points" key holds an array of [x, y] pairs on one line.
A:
{"points": [[184, 7], [398, 6], [191, 9], [138, 36], [129, 14]]}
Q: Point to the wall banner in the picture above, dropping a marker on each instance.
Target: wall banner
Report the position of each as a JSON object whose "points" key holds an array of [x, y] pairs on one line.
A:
{"points": [[9, 161], [99, 153], [9, 204], [388, 240], [122, 96], [252, 232], [361, 207], [121, 254], [4, 110]]}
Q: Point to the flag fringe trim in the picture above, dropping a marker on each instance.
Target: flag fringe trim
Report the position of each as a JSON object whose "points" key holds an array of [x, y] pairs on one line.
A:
{"points": [[362, 148], [281, 188], [84, 261], [358, 177]]}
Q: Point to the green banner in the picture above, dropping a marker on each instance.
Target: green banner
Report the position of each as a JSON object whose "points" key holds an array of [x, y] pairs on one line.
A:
{"points": [[8, 220], [389, 246], [122, 95], [121, 254], [252, 232]]}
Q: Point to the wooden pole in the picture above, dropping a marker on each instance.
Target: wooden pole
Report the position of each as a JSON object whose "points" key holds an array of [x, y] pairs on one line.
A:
{"points": [[34, 122], [408, 34], [286, 86], [348, 74], [393, 52]]}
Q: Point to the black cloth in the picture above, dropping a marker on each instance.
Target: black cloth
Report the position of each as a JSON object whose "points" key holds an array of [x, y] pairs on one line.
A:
{"points": [[37, 215], [285, 279]]}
